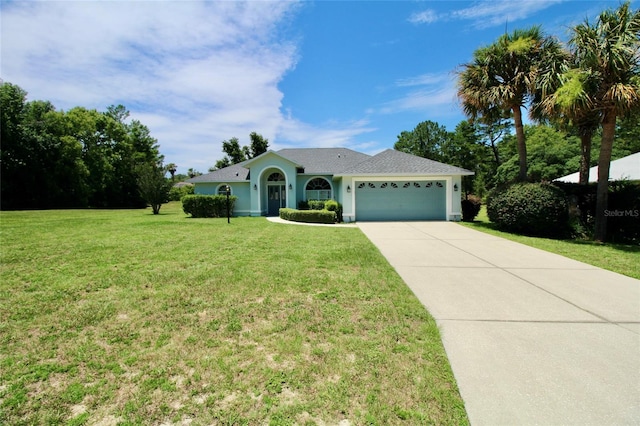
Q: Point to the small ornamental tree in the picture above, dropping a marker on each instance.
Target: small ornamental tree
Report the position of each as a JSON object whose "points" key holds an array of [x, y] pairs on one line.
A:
{"points": [[154, 187]]}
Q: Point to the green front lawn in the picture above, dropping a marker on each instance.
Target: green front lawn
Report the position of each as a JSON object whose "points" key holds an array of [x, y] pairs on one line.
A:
{"points": [[621, 258], [123, 317]]}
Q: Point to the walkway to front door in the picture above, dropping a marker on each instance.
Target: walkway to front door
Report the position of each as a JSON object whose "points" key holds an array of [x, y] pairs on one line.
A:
{"points": [[277, 199]]}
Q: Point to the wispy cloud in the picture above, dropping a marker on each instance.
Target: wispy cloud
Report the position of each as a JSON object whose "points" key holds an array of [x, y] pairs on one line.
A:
{"points": [[330, 135], [194, 72], [431, 94], [486, 13], [425, 17], [423, 79]]}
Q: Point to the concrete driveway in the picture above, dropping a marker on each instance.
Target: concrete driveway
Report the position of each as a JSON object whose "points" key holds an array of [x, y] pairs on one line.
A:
{"points": [[532, 337]]}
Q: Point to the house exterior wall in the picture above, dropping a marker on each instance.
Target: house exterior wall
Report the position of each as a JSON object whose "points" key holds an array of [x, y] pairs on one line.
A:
{"points": [[303, 180], [261, 168], [239, 189]]}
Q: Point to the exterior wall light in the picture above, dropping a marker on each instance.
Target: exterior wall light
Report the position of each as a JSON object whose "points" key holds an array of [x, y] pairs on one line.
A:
{"points": [[348, 188], [255, 187], [455, 187], [290, 187]]}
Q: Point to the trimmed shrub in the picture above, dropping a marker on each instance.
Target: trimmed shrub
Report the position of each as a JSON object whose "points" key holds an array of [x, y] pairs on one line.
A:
{"points": [[470, 208], [303, 205], [316, 204], [207, 205], [308, 216], [536, 209], [177, 192], [334, 206]]}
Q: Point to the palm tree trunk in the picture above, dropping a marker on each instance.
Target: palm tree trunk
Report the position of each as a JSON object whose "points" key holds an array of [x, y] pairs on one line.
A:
{"points": [[602, 192], [585, 158], [522, 147]]}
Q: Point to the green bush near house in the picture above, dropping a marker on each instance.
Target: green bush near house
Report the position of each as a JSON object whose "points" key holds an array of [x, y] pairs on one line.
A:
{"points": [[470, 208], [316, 204], [308, 212], [308, 216], [207, 205], [334, 206], [536, 209], [177, 192]]}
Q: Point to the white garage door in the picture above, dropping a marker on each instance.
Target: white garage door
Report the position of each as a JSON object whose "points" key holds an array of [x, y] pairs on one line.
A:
{"points": [[401, 200]]}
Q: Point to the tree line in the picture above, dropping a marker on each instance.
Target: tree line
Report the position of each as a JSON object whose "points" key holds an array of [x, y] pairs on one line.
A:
{"points": [[491, 152], [78, 158], [589, 83]]}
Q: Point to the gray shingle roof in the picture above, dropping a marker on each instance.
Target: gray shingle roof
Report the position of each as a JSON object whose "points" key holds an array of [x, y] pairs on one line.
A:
{"points": [[323, 160], [342, 161], [233, 173], [400, 163]]}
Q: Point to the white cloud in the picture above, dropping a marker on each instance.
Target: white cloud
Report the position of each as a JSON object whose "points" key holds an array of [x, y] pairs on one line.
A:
{"points": [[432, 94], [424, 79], [486, 13], [491, 13], [328, 136], [195, 73], [425, 17]]}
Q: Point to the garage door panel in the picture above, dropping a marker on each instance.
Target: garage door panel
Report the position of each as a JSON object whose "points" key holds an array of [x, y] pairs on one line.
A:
{"points": [[400, 200]]}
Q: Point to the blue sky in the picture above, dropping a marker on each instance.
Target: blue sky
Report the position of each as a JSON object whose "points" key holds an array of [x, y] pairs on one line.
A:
{"points": [[303, 74]]}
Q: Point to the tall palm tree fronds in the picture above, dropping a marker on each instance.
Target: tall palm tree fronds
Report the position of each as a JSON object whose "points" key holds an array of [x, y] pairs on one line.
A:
{"points": [[567, 98], [504, 76], [608, 53]]}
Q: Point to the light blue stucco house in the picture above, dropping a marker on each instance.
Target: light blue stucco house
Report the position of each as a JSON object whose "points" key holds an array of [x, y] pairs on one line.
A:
{"points": [[388, 186]]}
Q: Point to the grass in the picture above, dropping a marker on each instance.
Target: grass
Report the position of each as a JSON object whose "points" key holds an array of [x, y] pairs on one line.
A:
{"points": [[621, 258], [123, 317]]}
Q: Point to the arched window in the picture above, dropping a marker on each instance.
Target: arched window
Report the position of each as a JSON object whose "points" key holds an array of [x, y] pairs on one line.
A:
{"points": [[222, 189], [276, 177], [318, 189]]}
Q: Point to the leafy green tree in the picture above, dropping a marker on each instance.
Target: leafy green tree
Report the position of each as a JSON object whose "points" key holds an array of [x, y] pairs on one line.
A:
{"points": [[463, 148], [13, 154], [233, 150], [153, 186], [551, 153], [259, 145], [503, 76], [425, 140], [57, 171], [627, 137], [492, 127], [237, 154], [79, 158], [607, 52], [193, 173], [220, 164]]}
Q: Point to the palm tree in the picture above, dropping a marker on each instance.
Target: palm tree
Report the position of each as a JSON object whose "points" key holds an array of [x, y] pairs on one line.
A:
{"points": [[567, 99], [172, 168], [503, 76], [608, 53]]}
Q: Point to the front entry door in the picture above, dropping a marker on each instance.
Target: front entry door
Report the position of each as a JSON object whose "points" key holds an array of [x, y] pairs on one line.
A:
{"points": [[277, 199]]}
